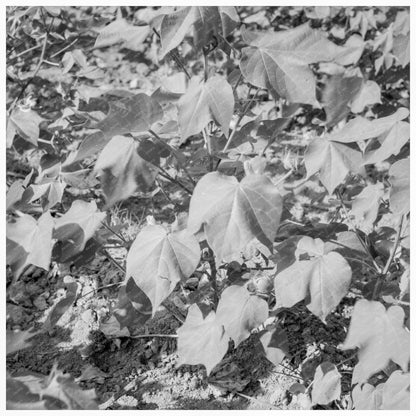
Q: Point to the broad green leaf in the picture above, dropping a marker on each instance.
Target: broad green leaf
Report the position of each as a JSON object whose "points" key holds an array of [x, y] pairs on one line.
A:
{"points": [[25, 123], [367, 397], [391, 143], [206, 22], [120, 31], [49, 194], [338, 92], [19, 396], [18, 340], [77, 226], [62, 306], [332, 160], [322, 281], [232, 213], [279, 61], [239, 312], [365, 206], [60, 387], [401, 49], [122, 171], [396, 391], [394, 394], [275, 344], [380, 337], [203, 102], [353, 49], [326, 384], [369, 94], [201, 341], [132, 114], [29, 242], [360, 128], [400, 191], [158, 259]]}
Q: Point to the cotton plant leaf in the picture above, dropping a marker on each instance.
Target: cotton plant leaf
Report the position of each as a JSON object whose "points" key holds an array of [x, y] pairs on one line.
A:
{"points": [[49, 194], [326, 384], [18, 340], [206, 22], [77, 226], [158, 259], [323, 280], [232, 213], [240, 312], [275, 344], [203, 102], [353, 49], [201, 341], [400, 191], [29, 242], [365, 206], [369, 94], [367, 397], [380, 337], [24, 122], [337, 93], [122, 171], [120, 31], [279, 61], [133, 114], [332, 160]]}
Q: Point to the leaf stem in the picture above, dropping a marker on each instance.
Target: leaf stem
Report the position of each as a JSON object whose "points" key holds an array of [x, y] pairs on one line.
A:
{"points": [[396, 245], [230, 138], [166, 175]]}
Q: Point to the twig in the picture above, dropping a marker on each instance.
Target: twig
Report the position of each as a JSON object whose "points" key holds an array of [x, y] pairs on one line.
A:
{"points": [[112, 260], [396, 244], [213, 275], [114, 232], [155, 336], [97, 290], [64, 49], [26, 51], [166, 175], [230, 138], [285, 176]]}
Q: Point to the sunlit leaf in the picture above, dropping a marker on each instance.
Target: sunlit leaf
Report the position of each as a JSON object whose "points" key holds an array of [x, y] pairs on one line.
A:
{"points": [[400, 191], [326, 384], [232, 213]]}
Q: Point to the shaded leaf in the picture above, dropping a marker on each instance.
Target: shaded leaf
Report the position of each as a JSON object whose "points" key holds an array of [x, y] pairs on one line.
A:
{"points": [[279, 61], [233, 213], [396, 391], [275, 344], [369, 94], [400, 192], [365, 206], [19, 396], [380, 337], [206, 22], [323, 280], [77, 226], [25, 123], [91, 372], [239, 312], [338, 92], [158, 259], [18, 340], [201, 341], [29, 242], [120, 31], [135, 114], [122, 171], [326, 384], [49, 194], [203, 102], [332, 160], [367, 397]]}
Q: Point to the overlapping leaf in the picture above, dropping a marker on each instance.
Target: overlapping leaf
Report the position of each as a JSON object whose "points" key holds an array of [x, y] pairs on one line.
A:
{"points": [[206, 22], [279, 61], [240, 312], [323, 280], [275, 344], [380, 337], [120, 31], [232, 213], [326, 384], [25, 123], [201, 341], [132, 114], [332, 160], [370, 93], [77, 226], [400, 191], [203, 102], [29, 242], [122, 171], [159, 259]]}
